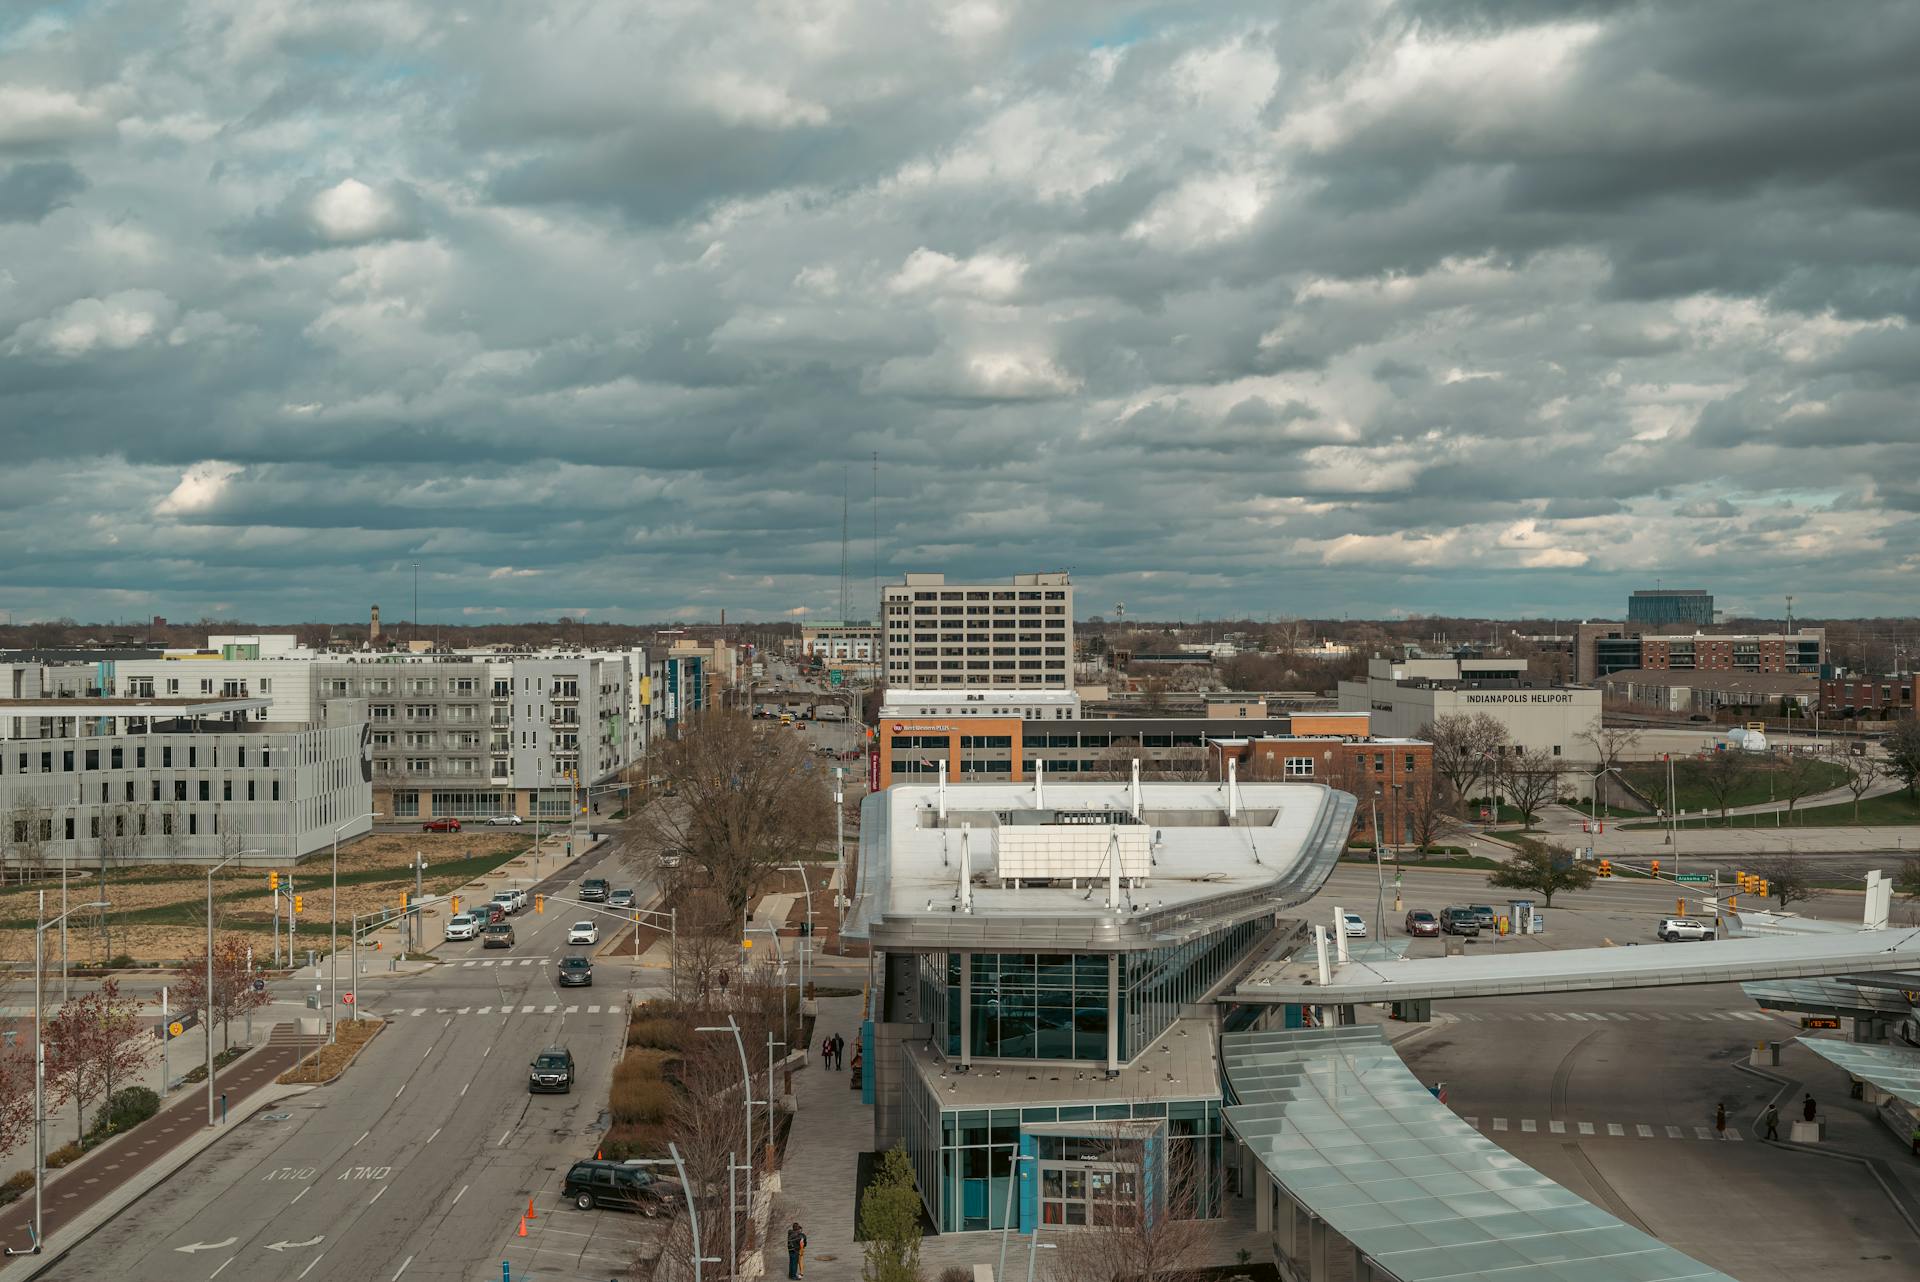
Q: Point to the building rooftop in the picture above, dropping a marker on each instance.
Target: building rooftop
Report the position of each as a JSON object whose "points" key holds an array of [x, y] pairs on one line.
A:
{"points": [[1087, 866], [960, 694], [1180, 1064], [53, 706]]}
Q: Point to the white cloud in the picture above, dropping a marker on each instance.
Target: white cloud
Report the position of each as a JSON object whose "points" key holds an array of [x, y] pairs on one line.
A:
{"points": [[984, 275], [201, 487], [350, 211], [32, 115], [509, 572], [116, 323]]}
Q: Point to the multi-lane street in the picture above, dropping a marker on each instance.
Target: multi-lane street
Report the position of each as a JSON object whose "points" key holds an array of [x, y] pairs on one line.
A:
{"points": [[419, 1163]]}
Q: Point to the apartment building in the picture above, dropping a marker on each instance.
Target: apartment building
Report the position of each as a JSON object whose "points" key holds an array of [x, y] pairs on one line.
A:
{"points": [[1601, 649], [840, 642], [941, 634]]}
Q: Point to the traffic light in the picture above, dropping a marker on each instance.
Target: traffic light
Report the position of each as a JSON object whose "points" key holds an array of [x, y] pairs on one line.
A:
{"points": [[273, 881], [1764, 891], [403, 901], [299, 903], [1606, 867], [456, 905], [539, 903], [1656, 867]]}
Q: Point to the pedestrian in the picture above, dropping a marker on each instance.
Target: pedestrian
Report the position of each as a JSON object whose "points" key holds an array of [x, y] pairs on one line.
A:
{"points": [[826, 1053], [1916, 1139], [1807, 1108], [853, 1078], [796, 1250], [839, 1052], [1773, 1121], [1720, 1119]]}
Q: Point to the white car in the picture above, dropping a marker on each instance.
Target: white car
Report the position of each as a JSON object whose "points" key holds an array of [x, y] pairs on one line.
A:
{"points": [[505, 821], [1355, 925], [462, 926], [583, 932], [1673, 929]]}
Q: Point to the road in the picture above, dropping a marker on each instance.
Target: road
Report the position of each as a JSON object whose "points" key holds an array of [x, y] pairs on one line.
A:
{"points": [[419, 1163]]}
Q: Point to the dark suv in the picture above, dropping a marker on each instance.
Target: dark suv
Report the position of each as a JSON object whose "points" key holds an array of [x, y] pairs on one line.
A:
{"points": [[619, 1186], [594, 890], [551, 1072], [1459, 921], [576, 972]]}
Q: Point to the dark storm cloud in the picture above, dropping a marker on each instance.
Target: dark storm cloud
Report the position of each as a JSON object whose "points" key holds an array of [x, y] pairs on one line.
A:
{"points": [[1473, 306]]}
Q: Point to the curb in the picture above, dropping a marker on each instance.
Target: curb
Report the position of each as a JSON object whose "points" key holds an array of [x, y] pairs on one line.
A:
{"points": [[343, 1068], [1788, 1085], [103, 1212]]}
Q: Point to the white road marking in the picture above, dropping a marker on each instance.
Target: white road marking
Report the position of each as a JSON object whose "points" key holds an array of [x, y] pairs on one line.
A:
{"points": [[1586, 1128], [419, 1011], [486, 1010], [309, 1268], [593, 1010], [463, 1089], [1734, 1136], [1645, 1132], [465, 1009], [1576, 1015], [302, 1193], [486, 1052], [1614, 1128], [1675, 1133], [1661, 1015], [1499, 1123], [1556, 1017], [1639, 1015], [570, 1010], [548, 1010], [377, 1196], [457, 1196], [526, 1010], [436, 1134], [402, 1091], [1538, 1019], [217, 1272], [466, 964], [363, 1135], [1528, 1125], [1557, 1128], [402, 1269], [503, 1137], [1702, 1132]]}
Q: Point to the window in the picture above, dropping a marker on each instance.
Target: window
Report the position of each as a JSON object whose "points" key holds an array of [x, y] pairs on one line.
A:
{"points": [[206, 790], [276, 790], [1299, 767]]}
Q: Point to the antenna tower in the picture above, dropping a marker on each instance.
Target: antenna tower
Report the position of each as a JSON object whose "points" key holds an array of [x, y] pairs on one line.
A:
{"points": [[845, 582]]}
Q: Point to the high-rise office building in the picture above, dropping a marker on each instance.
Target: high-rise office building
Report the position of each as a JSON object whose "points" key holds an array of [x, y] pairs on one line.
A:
{"points": [[1659, 607], [950, 635]]}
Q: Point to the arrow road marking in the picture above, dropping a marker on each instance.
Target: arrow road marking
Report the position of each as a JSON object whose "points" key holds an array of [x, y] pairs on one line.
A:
{"points": [[191, 1247], [295, 1246]]}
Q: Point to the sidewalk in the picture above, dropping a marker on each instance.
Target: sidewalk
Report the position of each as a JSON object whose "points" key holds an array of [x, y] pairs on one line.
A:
{"points": [[831, 1128], [75, 1189]]}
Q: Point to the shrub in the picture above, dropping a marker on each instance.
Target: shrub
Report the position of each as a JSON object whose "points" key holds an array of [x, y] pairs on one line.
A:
{"points": [[954, 1273], [639, 1099], [16, 1184], [121, 961], [656, 1031], [64, 1154], [125, 1111]]}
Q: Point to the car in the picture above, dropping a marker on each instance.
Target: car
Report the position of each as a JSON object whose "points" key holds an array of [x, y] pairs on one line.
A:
{"points": [[498, 935], [1459, 921], [576, 972], [670, 861], [618, 1186], [440, 825], [462, 926], [595, 890], [1421, 923], [551, 1072], [1674, 929], [506, 902], [1484, 914], [1354, 925], [620, 899], [488, 913], [583, 932], [505, 821]]}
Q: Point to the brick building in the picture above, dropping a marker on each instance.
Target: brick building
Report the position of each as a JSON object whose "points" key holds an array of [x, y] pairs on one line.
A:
{"points": [[1869, 698]]}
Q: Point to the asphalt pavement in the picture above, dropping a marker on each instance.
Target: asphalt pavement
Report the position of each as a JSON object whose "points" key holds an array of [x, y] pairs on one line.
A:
{"points": [[419, 1163]]}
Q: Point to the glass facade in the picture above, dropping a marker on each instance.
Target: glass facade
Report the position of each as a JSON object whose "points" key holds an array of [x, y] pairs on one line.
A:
{"points": [[1156, 983]]}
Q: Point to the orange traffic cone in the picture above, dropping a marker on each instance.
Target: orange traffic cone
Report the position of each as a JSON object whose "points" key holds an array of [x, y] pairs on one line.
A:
{"points": [[523, 1226], [531, 1213], [598, 1155]]}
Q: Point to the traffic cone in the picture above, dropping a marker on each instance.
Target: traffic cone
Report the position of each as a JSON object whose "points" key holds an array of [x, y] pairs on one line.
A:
{"points": [[598, 1156], [523, 1226], [531, 1213]]}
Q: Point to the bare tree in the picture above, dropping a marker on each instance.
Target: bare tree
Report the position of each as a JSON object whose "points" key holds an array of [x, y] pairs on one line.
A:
{"points": [[1789, 878], [1466, 750], [1797, 778], [1722, 775], [1188, 764], [1531, 778], [1863, 774], [1902, 746], [1427, 806], [1150, 1235], [29, 830], [748, 802], [233, 994]]}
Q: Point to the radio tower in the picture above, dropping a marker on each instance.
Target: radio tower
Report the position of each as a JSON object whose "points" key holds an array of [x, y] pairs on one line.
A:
{"points": [[846, 583]]}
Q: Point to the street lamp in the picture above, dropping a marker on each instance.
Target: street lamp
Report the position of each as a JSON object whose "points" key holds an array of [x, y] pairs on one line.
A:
{"points": [[333, 927], [806, 888], [40, 1058], [693, 1214], [746, 1097], [206, 1000], [1006, 1220]]}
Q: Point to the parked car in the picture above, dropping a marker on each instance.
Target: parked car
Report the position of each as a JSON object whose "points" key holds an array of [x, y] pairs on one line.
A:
{"points": [[498, 935], [620, 899], [440, 825], [1354, 925], [1459, 921], [1421, 923], [670, 860], [551, 1072], [505, 821], [595, 890], [1484, 914], [576, 972], [462, 926], [1673, 929], [583, 932], [618, 1186]]}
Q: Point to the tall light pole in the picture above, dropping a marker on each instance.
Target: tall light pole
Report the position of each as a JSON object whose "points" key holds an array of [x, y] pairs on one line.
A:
{"points": [[693, 1214], [206, 999], [806, 888], [333, 926], [40, 1059], [746, 1097]]}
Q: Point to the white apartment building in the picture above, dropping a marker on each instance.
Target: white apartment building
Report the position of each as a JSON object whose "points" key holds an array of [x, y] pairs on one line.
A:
{"points": [[947, 635], [841, 642]]}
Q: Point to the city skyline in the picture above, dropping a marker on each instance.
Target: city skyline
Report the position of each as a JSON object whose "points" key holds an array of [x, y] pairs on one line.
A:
{"points": [[1369, 310]]}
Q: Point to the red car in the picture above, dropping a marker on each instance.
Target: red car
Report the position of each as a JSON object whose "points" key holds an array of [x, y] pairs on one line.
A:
{"points": [[1422, 922], [440, 825]]}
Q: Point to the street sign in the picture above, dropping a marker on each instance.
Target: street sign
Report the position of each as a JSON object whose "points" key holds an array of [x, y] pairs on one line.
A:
{"points": [[259, 985], [176, 1028], [347, 998], [1693, 878]]}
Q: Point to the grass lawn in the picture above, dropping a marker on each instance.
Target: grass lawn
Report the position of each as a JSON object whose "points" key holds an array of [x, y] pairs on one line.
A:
{"points": [[1892, 808], [1754, 788]]}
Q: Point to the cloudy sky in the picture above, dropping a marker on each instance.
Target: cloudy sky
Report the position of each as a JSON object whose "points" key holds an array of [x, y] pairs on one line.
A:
{"points": [[1310, 308]]}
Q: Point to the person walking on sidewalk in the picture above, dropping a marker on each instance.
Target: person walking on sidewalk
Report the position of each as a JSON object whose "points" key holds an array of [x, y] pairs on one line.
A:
{"points": [[1773, 1121], [839, 1052], [826, 1052], [796, 1250], [1720, 1119], [1807, 1108]]}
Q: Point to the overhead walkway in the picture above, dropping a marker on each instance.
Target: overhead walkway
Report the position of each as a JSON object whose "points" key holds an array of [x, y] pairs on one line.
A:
{"points": [[1894, 1070], [1493, 974], [1842, 998], [1362, 1161]]}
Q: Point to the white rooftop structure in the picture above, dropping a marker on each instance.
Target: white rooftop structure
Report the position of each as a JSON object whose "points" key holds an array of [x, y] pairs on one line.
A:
{"points": [[1029, 704], [1087, 866]]}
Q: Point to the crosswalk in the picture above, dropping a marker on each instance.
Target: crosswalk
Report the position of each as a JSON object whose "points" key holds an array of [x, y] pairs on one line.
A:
{"points": [[1613, 1130], [1603, 1017], [508, 1008], [502, 961]]}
